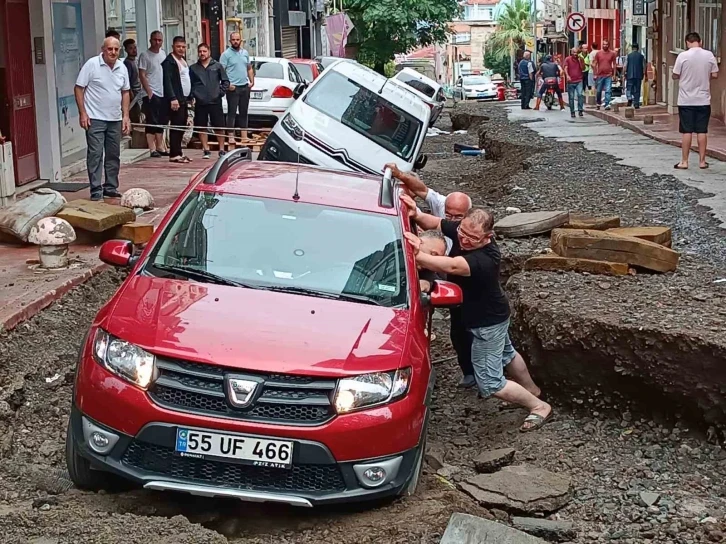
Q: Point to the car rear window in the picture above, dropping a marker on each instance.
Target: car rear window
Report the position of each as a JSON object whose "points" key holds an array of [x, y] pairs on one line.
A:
{"points": [[270, 243], [271, 70], [366, 112], [306, 71], [417, 84]]}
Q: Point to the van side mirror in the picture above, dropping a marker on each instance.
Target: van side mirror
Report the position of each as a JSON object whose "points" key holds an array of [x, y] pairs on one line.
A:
{"points": [[421, 161], [299, 90]]}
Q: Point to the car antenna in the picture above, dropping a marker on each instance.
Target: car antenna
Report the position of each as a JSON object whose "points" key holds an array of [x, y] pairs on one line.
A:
{"points": [[296, 195], [384, 84]]}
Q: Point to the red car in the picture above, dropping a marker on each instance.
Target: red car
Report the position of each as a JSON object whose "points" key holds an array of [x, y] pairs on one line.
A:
{"points": [[269, 344], [309, 69]]}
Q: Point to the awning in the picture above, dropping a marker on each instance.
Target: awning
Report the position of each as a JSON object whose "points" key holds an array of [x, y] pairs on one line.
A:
{"points": [[555, 37]]}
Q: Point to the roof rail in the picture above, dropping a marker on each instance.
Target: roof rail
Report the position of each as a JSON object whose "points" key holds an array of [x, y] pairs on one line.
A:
{"points": [[385, 197], [223, 163]]}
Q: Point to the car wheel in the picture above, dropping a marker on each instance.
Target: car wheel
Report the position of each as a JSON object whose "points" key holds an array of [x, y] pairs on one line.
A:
{"points": [[418, 469], [79, 468]]}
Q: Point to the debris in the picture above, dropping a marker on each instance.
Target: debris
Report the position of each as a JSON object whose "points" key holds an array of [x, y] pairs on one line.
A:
{"points": [[95, 216], [52, 378], [460, 132], [472, 152], [578, 221], [19, 218], [520, 488], [458, 148], [468, 529], [604, 246], [648, 498], [461, 120], [527, 224], [552, 530], [135, 232], [491, 461], [511, 209], [720, 280], [552, 262], [657, 235]]}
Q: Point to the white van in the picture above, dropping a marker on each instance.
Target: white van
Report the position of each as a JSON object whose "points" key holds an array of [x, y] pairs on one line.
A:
{"points": [[351, 118], [424, 87]]}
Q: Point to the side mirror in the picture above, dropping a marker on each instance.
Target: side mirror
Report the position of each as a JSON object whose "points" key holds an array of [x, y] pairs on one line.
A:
{"points": [[446, 293], [299, 90], [117, 253], [421, 161]]}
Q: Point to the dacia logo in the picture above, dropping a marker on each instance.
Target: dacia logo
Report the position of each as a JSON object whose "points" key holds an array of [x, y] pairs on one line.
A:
{"points": [[241, 391]]}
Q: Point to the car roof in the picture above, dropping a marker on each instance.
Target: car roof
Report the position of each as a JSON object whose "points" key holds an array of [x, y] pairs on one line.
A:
{"points": [[304, 61], [315, 185], [418, 75], [276, 60]]}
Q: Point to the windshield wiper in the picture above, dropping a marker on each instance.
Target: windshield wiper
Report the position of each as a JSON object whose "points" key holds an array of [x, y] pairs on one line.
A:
{"points": [[324, 294], [203, 275]]}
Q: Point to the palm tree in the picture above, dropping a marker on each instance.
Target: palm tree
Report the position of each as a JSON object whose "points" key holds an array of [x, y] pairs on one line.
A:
{"points": [[514, 26]]}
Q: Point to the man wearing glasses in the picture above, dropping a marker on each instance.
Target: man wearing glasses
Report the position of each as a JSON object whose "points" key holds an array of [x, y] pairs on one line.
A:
{"points": [[473, 264]]}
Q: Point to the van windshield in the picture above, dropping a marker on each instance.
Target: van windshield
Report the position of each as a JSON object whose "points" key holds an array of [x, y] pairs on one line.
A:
{"points": [[366, 112]]}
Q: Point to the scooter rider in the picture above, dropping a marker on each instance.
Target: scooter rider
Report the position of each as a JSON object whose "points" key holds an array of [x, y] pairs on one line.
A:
{"points": [[549, 71]]}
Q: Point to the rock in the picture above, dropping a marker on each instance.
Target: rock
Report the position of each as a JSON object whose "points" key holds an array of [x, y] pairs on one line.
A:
{"points": [[468, 529], [658, 235], [648, 498], [137, 198], [604, 246], [448, 471], [95, 216], [435, 455], [554, 531], [527, 224], [693, 507], [491, 461], [461, 120], [520, 488], [554, 262], [596, 223], [512, 209]]}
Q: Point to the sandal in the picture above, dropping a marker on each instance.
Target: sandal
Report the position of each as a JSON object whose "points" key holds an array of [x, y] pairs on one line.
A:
{"points": [[679, 167], [705, 165], [181, 160], [537, 420]]}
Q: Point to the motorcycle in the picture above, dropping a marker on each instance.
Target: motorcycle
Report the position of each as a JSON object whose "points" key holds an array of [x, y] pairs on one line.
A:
{"points": [[550, 98]]}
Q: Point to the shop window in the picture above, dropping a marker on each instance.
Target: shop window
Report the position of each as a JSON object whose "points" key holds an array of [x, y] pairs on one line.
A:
{"points": [[708, 18], [121, 16]]}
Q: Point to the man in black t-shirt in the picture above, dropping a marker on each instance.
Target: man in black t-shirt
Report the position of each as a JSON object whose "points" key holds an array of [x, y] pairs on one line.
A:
{"points": [[473, 264]]}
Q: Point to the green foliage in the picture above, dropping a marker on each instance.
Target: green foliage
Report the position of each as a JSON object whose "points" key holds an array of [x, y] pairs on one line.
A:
{"points": [[388, 27], [496, 64], [514, 26]]}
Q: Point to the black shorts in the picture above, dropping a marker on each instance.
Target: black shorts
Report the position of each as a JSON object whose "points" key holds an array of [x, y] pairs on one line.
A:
{"points": [[693, 119], [155, 113], [209, 115]]}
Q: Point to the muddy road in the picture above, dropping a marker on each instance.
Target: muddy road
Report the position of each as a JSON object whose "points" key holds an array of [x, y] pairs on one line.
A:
{"points": [[614, 449]]}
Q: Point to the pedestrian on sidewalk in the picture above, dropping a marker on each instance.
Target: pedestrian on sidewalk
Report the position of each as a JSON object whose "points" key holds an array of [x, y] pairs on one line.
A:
{"points": [[694, 69], [605, 73], [634, 72], [236, 62], [474, 265], [584, 55], [591, 56], [154, 107], [526, 80], [102, 96], [133, 69], [574, 74], [209, 83], [177, 93]]}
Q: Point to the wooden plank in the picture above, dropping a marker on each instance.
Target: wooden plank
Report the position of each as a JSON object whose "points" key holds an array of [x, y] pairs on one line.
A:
{"points": [[135, 232], [530, 223], [95, 216], [604, 246], [657, 235], [578, 221], [571, 264]]}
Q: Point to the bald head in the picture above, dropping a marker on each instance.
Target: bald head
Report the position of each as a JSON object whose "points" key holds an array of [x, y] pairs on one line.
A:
{"points": [[110, 50], [456, 205]]}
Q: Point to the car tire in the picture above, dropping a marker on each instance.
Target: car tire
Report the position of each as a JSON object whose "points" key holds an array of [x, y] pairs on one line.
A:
{"points": [[80, 471]]}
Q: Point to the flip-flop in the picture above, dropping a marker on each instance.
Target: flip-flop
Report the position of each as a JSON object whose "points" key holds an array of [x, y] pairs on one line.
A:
{"points": [[703, 167], [538, 421], [679, 167]]}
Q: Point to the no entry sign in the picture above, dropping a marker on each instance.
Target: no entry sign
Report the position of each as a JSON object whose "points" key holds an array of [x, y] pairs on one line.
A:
{"points": [[576, 22]]}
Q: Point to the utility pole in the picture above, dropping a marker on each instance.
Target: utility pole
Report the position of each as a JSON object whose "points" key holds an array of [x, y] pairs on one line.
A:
{"points": [[534, 31]]}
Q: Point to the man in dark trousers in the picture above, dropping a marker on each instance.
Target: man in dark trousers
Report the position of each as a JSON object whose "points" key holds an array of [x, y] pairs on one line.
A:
{"points": [[526, 80], [241, 73], [209, 83], [634, 73], [177, 92]]}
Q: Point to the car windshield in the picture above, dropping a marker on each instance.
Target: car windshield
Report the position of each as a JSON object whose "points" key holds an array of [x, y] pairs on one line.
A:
{"points": [[285, 245], [477, 80], [271, 70], [416, 83], [306, 71], [366, 112]]}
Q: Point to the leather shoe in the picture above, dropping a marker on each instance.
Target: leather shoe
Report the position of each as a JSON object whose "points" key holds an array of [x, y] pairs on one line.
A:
{"points": [[112, 194]]}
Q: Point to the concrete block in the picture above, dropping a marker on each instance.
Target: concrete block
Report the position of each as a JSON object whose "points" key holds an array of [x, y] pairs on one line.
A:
{"points": [[571, 264], [647, 119], [95, 216], [468, 529], [630, 113], [137, 233]]}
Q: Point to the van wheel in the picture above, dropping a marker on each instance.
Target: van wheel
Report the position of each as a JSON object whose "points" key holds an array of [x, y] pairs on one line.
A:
{"points": [[416, 477], [79, 468]]}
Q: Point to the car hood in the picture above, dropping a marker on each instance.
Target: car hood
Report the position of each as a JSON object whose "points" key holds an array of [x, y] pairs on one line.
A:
{"points": [[482, 87], [257, 330]]}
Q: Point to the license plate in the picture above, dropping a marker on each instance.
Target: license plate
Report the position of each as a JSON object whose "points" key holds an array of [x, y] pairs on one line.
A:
{"points": [[256, 95], [247, 450], [482, 95]]}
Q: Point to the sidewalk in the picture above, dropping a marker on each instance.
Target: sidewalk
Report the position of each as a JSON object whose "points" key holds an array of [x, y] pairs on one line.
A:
{"points": [[25, 289]]}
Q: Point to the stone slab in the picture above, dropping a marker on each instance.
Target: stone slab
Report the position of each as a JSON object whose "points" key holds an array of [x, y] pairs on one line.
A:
{"points": [[552, 530], [605, 246], [137, 233], [556, 263], [493, 460], [95, 216], [657, 235], [521, 489], [468, 529], [578, 221], [530, 223]]}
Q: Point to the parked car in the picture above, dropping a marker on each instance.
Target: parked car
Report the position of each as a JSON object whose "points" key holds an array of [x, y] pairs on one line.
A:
{"points": [[424, 87], [475, 87], [276, 82], [327, 61], [309, 69], [351, 118], [269, 344]]}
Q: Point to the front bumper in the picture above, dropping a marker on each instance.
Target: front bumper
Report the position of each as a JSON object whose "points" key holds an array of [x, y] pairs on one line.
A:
{"points": [[275, 149], [480, 95], [314, 479]]}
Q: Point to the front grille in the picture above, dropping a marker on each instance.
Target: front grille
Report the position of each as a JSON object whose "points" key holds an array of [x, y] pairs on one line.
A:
{"points": [[285, 398], [163, 461]]}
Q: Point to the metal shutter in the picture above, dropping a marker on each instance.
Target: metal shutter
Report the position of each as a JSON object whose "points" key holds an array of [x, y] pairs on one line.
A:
{"points": [[289, 42]]}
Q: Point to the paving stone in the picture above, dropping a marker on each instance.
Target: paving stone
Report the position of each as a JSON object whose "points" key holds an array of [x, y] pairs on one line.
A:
{"points": [[527, 224], [578, 221], [95, 216], [137, 233], [555, 263], [468, 529], [657, 235], [491, 461], [552, 530]]}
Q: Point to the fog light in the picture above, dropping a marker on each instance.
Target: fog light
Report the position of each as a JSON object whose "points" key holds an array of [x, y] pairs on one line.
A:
{"points": [[99, 440], [375, 474], [378, 473]]}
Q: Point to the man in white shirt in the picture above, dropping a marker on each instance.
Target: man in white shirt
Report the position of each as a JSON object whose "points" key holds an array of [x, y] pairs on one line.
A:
{"points": [[102, 96], [694, 69], [177, 94], [152, 82]]}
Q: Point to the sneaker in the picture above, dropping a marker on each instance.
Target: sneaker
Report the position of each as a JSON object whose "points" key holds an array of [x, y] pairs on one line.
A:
{"points": [[581, 114], [467, 381], [163, 153], [630, 103], [597, 107], [113, 193], [96, 198], [607, 108], [222, 152], [572, 114], [154, 154], [207, 154]]}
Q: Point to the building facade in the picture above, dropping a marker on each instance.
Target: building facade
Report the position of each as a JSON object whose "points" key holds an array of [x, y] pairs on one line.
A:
{"points": [[469, 33]]}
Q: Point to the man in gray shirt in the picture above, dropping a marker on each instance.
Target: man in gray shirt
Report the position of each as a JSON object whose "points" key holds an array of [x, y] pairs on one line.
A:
{"points": [[137, 92]]}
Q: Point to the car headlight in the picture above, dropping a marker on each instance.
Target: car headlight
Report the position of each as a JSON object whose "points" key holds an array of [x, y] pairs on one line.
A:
{"points": [[369, 390], [124, 359], [467, 89], [291, 127]]}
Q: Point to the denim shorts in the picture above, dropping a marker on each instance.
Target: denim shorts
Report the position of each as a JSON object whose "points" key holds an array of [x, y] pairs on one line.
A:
{"points": [[491, 351]]}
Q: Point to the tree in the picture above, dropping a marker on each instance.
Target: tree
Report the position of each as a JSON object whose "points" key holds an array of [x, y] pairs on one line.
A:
{"points": [[498, 65], [388, 27], [514, 26]]}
